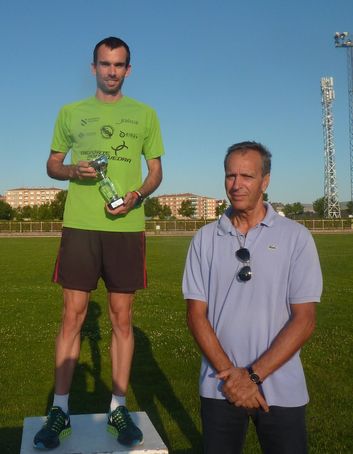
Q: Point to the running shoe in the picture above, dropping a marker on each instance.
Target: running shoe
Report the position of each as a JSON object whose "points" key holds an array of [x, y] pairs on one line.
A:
{"points": [[121, 426], [55, 429]]}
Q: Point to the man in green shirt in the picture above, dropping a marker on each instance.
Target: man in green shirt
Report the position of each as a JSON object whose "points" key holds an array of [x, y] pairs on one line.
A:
{"points": [[97, 240]]}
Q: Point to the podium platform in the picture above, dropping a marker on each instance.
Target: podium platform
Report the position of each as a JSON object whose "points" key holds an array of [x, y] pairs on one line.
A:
{"points": [[90, 436]]}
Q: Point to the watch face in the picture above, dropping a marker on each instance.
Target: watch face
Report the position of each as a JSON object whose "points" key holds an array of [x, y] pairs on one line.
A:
{"points": [[255, 378]]}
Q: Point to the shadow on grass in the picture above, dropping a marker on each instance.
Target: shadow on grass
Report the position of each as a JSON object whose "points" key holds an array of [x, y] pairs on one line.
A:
{"points": [[81, 400], [148, 381], [10, 440], [150, 384]]}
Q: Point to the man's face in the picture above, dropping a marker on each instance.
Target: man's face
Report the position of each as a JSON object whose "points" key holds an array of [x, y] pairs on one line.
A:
{"points": [[244, 182], [110, 70]]}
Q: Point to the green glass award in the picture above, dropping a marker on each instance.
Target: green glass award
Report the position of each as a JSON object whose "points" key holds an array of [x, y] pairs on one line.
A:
{"points": [[106, 186]]}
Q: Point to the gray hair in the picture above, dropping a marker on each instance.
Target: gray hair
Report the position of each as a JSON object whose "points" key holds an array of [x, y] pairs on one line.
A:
{"points": [[243, 147]]}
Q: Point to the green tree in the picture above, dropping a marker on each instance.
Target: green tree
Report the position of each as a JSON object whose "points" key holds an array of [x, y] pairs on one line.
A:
{"points": [[43, 212], [298, 208], [58, 204], [34, 213], [152, 207], [165, 212], [6, 211], [319, 206], [187, 209], [220, 209], [265, 197], [350, 207], [293, 209], [25, 212], [288, 209]]}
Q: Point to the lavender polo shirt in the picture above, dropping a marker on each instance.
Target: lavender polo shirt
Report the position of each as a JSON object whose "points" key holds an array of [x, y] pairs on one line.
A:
{"points": [[247, 316]]}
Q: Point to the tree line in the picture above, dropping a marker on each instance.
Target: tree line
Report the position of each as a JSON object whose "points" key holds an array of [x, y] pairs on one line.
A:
{"points": [[296, 210], [153, 209], [48, 211]]}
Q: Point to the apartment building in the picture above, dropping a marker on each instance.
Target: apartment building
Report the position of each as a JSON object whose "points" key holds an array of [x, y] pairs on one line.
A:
{"points": [[205, 207], [21, 197]]}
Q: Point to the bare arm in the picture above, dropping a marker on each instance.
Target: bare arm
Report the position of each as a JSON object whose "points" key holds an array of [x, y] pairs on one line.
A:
{"points": [[238, 388], [150, 184], [205, 337], [60, 171], [153, 178], [290, 339]]}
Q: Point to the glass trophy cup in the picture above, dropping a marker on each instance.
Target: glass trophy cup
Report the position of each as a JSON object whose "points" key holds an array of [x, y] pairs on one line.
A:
{"points": [[106, 186]]}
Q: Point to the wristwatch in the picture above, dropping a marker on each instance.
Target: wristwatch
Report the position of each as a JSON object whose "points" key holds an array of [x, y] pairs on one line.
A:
{"points": [[253, 377], [139, 198]]}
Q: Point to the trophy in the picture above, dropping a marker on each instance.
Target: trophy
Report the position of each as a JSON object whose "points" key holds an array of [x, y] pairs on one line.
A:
{"points": [[106, 186]]}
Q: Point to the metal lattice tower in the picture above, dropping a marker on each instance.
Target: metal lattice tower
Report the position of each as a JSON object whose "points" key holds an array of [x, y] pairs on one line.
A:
{"points": [[342, 39], [332, 205]]}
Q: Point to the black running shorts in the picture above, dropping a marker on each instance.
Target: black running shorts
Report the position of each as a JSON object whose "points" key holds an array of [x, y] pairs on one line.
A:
{"points": [[86, 255]]}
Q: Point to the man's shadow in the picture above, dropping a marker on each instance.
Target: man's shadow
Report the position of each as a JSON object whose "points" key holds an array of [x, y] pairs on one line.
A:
{"points": [[149, 383], [83, 401]]}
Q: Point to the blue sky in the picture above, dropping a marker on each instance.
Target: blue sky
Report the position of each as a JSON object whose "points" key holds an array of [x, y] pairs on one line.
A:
{"points": [[216, 72]]}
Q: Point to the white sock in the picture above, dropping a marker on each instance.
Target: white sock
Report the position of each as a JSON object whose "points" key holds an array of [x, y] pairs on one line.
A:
{"points": [[62, 401], [117, 401]]}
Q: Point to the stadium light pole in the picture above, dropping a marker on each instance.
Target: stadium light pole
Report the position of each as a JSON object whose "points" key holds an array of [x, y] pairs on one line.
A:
{"points": [[331, 205], [343, 40]]}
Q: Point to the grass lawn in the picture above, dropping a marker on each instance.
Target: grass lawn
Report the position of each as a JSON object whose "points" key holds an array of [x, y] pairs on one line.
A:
{"points": [[164, 380]]}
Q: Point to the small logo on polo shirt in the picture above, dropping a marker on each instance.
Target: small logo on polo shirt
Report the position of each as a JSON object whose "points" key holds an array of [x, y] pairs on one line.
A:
{"points": [[272, 247]]}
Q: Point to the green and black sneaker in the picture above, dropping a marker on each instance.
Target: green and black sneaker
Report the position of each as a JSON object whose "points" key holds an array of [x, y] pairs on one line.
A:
{"points": [[55, 429], [122, 426]]}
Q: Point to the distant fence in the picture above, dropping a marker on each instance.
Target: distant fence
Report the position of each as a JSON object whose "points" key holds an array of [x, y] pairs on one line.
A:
{"points": [[186, 225], [30, 226], [327, 224], [165, 227]]}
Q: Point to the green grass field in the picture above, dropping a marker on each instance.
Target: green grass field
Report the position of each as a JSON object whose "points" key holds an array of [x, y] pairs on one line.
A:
{"points": [[164, 380]]}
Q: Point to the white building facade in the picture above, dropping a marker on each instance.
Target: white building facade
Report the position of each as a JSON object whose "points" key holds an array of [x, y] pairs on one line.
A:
{"points": [[21, 197], [205, 207]]}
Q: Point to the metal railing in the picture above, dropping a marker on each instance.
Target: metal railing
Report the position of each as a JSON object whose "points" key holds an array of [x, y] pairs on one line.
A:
{"points": [[327, 224], [186, 225], [164, 227], [30, 226]]}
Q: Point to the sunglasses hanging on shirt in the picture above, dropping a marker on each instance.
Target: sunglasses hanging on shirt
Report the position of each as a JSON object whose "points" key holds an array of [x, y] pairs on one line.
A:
{"points": [[244, 274]]}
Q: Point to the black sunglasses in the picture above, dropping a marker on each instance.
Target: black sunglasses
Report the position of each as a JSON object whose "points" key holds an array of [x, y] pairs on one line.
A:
{"points": [[244, 273]]}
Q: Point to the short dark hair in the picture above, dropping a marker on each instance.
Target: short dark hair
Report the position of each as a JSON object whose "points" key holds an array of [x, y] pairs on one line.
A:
{"points": [[112, 43], [243, 147]]}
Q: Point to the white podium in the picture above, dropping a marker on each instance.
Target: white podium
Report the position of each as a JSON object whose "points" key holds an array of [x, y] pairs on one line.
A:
{"points": [[90, 436]]}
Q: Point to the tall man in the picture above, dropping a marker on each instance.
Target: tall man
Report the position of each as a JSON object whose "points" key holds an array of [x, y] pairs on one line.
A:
{"points": [[251, 282], [99, 241]]}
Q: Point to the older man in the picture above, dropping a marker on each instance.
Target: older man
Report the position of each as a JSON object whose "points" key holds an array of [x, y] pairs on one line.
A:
{"points": [[251, 282]]}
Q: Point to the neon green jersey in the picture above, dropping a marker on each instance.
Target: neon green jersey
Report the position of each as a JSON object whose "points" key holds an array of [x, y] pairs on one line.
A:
{"points": [[123, 131]]}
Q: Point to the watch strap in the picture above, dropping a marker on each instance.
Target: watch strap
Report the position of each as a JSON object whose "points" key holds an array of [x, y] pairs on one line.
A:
{"points": [[253, 376]]}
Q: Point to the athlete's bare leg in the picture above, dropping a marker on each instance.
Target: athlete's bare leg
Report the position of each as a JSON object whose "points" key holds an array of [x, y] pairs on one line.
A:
{"points": [[122, 344], [68, 341]]}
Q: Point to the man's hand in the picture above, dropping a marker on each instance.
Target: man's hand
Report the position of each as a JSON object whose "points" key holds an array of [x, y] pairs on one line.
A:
{"points": [[60, 171], [240, 390], [129, 203], [84, 170]]}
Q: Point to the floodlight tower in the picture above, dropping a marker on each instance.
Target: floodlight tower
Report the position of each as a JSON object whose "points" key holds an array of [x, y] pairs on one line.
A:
{"points": [[332, 205], [342, 39]]}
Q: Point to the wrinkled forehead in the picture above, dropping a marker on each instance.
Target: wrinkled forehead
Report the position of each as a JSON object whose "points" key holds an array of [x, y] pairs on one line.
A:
{"points": [[247, 156]]}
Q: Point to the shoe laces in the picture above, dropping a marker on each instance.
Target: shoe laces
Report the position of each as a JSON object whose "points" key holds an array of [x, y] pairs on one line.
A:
{"points": [[121, 418], [55, 420]]}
